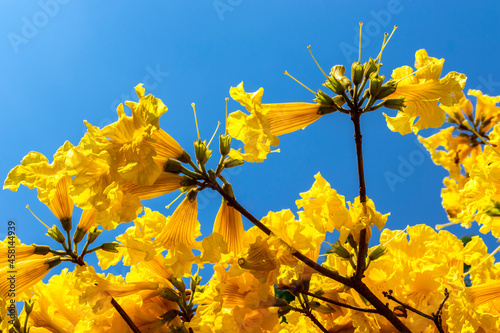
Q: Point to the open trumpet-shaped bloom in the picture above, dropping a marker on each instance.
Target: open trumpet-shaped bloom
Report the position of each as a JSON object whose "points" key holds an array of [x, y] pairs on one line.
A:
{"points": [[423, 90]]}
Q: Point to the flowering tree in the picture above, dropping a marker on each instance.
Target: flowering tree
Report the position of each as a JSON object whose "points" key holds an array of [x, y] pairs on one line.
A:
{"points": [[270, 277]]}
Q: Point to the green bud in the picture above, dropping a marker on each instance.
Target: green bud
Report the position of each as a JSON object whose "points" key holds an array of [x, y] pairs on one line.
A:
{"points": [[230, 162], [170, 294], [376, 82], [224, 144], [28, 306], [66, 223], [339, 250], [377, 253], [178, 283], [110, 247], [172, 166], [323, 99], [202, 152], [395, 103], [93, 234], [334, 85], [357, 73], [188, 181], [321, 308], [185, 157], [338, 101], [191, 196], [79, 234], [346, 83], [56, 234], [169, 316], [228, 189], [352, 242], [195, 281], [387, 88], [370, 67], [41, 249], [53, 261]]}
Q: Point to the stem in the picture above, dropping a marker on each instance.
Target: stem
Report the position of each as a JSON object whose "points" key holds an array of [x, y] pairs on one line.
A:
{"points": [[308, 314], [328, 300], [363, 244], [125, 316]]}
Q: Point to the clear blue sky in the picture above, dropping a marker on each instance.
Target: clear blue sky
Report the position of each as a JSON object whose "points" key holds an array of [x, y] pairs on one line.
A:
{"points": [[65, 61]]}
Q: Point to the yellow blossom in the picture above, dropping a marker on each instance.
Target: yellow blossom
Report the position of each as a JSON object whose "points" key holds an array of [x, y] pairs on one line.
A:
{"points": [[422, 91], [229, 224], [182, 226], [27, 273]]}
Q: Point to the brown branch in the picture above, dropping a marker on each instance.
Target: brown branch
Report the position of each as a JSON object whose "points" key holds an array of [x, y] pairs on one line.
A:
{"points": [[436, 318], [125, 316], [309, 315], [311, 263], [328, 300]]}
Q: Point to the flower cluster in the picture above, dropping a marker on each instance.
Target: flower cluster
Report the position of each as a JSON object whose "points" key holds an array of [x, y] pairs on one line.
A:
{"points": [[275, 276]]}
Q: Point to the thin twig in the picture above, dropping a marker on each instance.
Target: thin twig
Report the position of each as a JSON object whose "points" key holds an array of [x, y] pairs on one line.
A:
{"points": [[436, 318], [313, 318], [331, 301], [125, 316]]}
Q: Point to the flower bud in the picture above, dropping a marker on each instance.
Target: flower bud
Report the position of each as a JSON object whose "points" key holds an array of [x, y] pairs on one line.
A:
{"points": [[170, 294], [395, 103], [377, 253], [169, 316], [41, 250], [230, 162], [28, 306], [339, 250], [79, 234], [321, 308], [370, 67], [195, 281], [224, 144], [172, 166], [202, 152], [376, 82], [66, 223], [323, 98], [110, 247], [178, 283], [357, 73], [93, 234], [56, 234], [188, 181], [387, 89], [334, 85]]}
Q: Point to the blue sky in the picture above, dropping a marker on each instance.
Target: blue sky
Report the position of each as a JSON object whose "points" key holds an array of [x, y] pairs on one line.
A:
{"points": [[63, 61]]}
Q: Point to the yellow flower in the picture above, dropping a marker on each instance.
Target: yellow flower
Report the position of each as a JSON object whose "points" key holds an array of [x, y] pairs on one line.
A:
{"points": [[25, 275], [253, 130], [12, 251], [259, 130], [166, 147], [487, 114], [229, 224], [57, 307], [36, 172], [422, 91], [182, 226], [285, 118]]}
